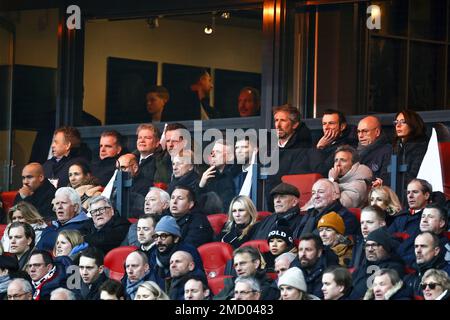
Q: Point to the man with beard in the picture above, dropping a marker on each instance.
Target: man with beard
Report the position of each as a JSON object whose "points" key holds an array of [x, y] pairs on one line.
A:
{"points": [[380, 253], [313, 259], [167, 239], [373, 148]]}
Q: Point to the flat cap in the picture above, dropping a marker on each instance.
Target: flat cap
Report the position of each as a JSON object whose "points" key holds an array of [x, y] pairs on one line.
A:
{"points": [[285, 188]]}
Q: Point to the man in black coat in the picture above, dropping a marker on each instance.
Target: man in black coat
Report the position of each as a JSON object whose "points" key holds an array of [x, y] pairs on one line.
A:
{"points": [[380, 253], [336, 133], [247, 263], [285, 198], [183, 172], [374, 148], [92, 274], [294, 141], [111, 147], [37, 190], [429, 255], [150, 154], [195, 227], [313, 259], [66, 151], [325, 199], [105, 230]]}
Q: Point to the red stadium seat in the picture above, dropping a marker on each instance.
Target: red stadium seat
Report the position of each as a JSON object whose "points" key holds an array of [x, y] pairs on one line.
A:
{"points": [[8, 200], [217, 284], [304, 183], [261, 245], [217, 221], [215, 256], [133, 220], [272, 275], [356, 212], [447, 234], [115, 260], [2, 229], [263, 214]]}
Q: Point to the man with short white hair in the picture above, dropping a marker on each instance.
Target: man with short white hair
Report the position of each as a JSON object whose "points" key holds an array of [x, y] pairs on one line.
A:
{"points": [[183, 172], [283, 261], [19, 289], [246, 288], [62, 294], [105, 230], [69, 216]]}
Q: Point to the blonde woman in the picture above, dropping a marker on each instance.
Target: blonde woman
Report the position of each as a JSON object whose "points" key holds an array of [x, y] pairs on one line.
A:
{"points": [[69, 243], [435, 285], [24, 212], [149, 290], [241, 222], [385, 198]]}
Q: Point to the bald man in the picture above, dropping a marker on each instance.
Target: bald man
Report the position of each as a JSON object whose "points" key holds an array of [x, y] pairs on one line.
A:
{"points": [[182, 265], [374, 148], [37, 190]]}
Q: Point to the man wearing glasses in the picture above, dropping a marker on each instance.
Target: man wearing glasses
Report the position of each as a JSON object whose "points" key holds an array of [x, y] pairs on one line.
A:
{"points": [[380, 253], [46, 275], [374, 148], [429, 255], [167, 239], [246, 288], [20, 289], [247, 263], [69, 216], [105, 230]]}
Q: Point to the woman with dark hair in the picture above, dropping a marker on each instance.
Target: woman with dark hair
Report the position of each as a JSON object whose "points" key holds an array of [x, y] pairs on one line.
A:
{"points": [[82, 180], [410, 145]]}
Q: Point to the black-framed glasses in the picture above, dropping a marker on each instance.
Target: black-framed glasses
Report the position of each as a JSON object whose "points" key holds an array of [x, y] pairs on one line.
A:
{"points": [[98, 211], [400, 122], [162, 236], [371, 245], [431, 285]]}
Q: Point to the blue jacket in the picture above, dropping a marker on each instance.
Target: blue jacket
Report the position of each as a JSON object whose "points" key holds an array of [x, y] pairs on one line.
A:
{"points": [[406, 223], [57, 281], [49, 235]]}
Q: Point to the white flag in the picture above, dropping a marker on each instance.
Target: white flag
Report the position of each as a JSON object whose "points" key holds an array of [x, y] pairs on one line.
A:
{"points": [[430, 169], [247, 185]]}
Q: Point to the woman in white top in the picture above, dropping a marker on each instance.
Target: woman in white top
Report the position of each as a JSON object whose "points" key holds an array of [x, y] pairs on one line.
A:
{"points": [[24, 212]]}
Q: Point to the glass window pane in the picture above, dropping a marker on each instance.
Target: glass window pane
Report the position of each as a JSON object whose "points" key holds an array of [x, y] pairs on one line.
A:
{"points": [[428, 19], [426, 76], [124, 58], [387, 75]]}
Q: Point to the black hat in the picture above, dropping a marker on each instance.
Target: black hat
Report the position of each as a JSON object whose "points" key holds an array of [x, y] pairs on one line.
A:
{"points": [[281, 230], [9, 262], [285, 188], [383, 238]]}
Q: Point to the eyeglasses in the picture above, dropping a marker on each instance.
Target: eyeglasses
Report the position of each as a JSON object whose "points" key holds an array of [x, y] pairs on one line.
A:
{"points": [[431, 285], [400, 122], [364, 131], [237, 293], [371, 245], [99, 211], [162, 236], [16, 296], [35, 265]]}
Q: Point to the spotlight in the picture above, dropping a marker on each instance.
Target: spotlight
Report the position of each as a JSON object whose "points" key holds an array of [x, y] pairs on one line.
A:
{"points": [[226, 15], [208, 29]]}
